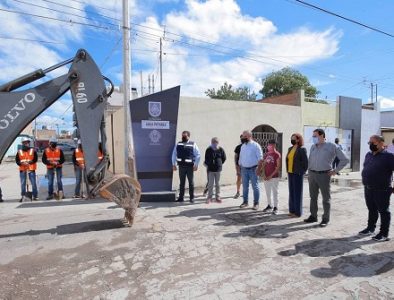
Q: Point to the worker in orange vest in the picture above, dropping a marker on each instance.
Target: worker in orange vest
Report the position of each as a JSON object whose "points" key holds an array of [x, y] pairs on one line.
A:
{"points": [[53, 158], [26, 159], [79, 165]]}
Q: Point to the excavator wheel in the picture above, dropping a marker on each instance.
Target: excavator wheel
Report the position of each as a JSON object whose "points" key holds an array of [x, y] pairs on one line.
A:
{"points": [[124, 191]]}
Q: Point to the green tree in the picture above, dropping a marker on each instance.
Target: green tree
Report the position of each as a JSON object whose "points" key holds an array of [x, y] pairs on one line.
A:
{"points": [[228, 92], [286, 81]]}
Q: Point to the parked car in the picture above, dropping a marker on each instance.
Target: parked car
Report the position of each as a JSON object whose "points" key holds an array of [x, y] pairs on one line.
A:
{"points": [[66, 147]]}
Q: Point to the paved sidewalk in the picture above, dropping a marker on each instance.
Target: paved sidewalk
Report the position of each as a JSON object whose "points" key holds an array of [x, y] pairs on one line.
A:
{"points": [[77, 249]]}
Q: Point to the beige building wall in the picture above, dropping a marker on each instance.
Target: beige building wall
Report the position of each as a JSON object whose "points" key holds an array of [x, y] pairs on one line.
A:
{"points": [[225, 119], [318, 114], [115, 124]]}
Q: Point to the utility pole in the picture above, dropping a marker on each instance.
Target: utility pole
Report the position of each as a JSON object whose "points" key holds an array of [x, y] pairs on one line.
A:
{"points": [[376, 92], [142, 84], [161, 64], [153, 83], [126, 79], [371, 92]]}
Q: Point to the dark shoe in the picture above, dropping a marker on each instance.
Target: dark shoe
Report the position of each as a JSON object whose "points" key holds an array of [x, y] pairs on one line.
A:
{"points": [[236, 196], [36, 198], [380, 238], [76, 196], [310, 220], [179, 200], [243, 205], [1, 200], [267, 209], [256, 207], [323, 223], [191, 200], [204, 194], [21, 199], [218, 200], [275, 211], [50, 197], [366, 231]]}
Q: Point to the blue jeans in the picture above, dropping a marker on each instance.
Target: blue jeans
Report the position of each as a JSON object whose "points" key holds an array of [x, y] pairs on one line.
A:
{"points": [[32, 178], [51, 177], [78, 180], [249, 174]]}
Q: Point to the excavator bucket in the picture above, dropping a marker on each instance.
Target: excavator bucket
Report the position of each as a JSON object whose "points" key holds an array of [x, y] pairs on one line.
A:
{"points": [[124, 191]]}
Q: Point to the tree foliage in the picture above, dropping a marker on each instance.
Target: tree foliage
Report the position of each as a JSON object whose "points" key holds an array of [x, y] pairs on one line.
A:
{"points": [[286, 81], [228, 92]]}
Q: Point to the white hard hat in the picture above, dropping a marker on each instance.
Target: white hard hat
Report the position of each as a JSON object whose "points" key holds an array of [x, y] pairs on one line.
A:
{"points": [[53, 140], [79, 142], [25, 139]]}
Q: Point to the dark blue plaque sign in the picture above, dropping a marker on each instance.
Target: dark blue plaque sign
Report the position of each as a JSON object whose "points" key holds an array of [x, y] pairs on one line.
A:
{"points": [[153, 122]]}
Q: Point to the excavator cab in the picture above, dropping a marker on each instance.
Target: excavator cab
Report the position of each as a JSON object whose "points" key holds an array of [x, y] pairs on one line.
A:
{"points": [[89, 95]]}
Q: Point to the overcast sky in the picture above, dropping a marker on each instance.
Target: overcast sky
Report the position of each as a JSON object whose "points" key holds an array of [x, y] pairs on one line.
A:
{"points": [[205, 43]]}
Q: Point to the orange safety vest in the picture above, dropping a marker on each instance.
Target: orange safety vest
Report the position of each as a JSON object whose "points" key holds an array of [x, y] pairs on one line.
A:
{"points": [[79, 157], [52, 156], [100, 155], [26, 156]]}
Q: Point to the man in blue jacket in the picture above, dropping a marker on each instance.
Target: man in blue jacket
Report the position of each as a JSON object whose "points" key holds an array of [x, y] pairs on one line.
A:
{"points": [[377, 178]]}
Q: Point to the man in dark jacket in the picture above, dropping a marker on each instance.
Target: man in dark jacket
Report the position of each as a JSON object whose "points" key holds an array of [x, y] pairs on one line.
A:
{"points": [[214, 160], [377, 178]]}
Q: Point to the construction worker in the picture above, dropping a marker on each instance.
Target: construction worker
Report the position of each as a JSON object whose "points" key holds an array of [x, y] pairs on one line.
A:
{"points": [[53, 158], [26, 159], [79, 164]]}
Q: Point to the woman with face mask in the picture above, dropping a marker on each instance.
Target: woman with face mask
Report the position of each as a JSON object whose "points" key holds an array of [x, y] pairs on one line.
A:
{"points": [[296, 166], [271, 166]]}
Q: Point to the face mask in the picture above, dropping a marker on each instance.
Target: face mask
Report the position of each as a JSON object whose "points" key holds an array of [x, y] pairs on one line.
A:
{"points": [[244, 140], [270, 148], [184, 139], [315, 139], [373, 147], [293, 142], [25, 147], [53, 145]]}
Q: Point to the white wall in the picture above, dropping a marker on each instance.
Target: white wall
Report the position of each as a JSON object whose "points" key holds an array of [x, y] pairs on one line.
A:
{"points": [[206, 118], [370, 124]]}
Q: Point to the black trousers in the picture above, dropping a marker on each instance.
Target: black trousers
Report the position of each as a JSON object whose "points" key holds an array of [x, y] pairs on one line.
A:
{"points": [[378, 202], [186, 171]]}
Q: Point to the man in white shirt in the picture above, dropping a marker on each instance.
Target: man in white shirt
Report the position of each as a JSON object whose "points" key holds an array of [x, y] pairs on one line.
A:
{"points": [[250, 162]]}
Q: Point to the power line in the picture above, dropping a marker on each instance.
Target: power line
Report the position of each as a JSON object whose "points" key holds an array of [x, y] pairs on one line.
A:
{"points": [[87, 4], [54, 19], [29, 40], [344, 18], [63, 12]]}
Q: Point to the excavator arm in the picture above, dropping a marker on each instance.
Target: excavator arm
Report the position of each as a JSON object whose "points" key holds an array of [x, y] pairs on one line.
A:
{"points": [[89, 96]]}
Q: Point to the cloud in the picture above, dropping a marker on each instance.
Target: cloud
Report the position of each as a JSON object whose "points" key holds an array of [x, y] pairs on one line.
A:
{"points": [[241, 48], [386, 103]]}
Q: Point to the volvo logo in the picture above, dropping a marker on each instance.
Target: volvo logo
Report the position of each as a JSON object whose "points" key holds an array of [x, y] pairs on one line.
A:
{"points": [[14, 112]]}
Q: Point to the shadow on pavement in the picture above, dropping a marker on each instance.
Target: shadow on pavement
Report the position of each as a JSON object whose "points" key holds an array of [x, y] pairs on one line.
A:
{"points": [[60, 203], [269, 231], [358, 265], [229, 216], [72, 228], [327, 247]]}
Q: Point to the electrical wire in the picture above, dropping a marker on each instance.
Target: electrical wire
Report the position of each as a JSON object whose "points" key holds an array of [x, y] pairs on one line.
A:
{"points": [[30, 40], [344, 18]]}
